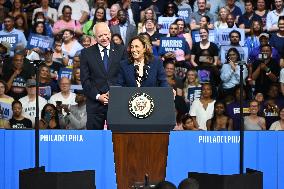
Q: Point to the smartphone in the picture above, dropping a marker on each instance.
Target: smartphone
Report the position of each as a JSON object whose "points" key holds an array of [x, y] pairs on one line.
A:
{"points": [[47, 117]]}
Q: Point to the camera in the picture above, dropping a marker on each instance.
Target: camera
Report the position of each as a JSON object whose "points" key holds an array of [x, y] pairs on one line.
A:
{"points": [[262, 56]]}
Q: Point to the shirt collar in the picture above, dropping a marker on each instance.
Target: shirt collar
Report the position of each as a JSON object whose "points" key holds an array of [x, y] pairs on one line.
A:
{"points": [[101, 48], [123, 25]]}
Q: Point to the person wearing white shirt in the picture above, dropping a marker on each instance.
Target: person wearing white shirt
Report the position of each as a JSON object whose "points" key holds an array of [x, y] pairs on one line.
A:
{"points": [[273, 16], [202, 109], [50, 13], [29, 102], [80, 9], [65, 96]]}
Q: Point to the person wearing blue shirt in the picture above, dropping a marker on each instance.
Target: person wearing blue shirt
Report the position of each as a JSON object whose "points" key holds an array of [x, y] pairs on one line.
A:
{"points": [[10, 30], [230, 72]]}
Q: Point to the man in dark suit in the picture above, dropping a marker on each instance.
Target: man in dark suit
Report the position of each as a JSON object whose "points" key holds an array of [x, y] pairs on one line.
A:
{"points": [[124, 28], [99, 68]]}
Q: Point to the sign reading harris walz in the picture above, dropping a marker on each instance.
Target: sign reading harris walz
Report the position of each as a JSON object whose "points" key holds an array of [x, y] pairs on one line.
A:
{"points": [[171, 44], [12, 39], [39, 41]]}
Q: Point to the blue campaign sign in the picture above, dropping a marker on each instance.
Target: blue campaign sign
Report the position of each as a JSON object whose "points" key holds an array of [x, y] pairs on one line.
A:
{"points": [[171, 44], [185, 14], [223, 36], [242, 50], [65, 72], [40, 41], [196, 36], [12, 39], [164, 23]]}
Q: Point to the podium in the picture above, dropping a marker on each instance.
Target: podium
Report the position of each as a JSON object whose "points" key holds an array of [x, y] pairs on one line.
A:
{"points": [[140, 144]]}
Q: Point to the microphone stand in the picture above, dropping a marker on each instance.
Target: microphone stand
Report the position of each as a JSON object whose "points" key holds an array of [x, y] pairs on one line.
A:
{"points": [[36, 64], [241, 64]]}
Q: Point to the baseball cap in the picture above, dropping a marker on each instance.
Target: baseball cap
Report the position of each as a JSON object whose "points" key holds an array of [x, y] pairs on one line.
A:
{"points": [[31, 83]]}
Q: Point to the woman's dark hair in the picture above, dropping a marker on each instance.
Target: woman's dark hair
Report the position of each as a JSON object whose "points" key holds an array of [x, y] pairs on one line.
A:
{"points": [[185, 117], [204, 28], [16, 102], [95, 18], [66, 7], [5, 85], [37, 15], [35, 26], [148, 56], [213, 119], [182, 20], [70, 31], [280, 18], [25, 25], [174, 7], [178, 20], [207, 18], [235, 51], [117, 35], [56, 116], [13, 6]]}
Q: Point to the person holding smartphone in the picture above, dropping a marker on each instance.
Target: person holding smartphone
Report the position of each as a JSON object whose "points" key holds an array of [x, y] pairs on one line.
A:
{"points": [[230, 73], [265, 70], [49, 117]]}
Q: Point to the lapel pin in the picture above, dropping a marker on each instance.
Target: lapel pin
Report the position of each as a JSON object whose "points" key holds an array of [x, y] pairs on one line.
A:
{"points": [[112, 50]]}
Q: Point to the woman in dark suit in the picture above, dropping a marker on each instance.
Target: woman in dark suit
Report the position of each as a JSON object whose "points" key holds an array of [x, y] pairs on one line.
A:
{"points": [[141, 69]]}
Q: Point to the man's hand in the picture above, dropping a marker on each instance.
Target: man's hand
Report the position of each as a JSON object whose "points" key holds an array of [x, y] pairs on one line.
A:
{"points": [[263, 66], [103, 98]]}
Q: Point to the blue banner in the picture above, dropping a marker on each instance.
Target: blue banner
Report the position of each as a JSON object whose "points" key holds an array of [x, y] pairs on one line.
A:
{"points": [[164, 24], [12, 39], [65, 72], [40, 41], [218, 153], [60, 151], [185, 13], [242, 50], [171, 44], [224, 39], [2, 158]]}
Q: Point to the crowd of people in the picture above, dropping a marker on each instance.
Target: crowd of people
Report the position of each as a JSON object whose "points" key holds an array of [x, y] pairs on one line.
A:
{"points": [[95, 44]]}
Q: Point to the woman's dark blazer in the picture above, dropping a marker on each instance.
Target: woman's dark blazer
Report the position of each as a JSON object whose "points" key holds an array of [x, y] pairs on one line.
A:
{"points": [[156, 75]]}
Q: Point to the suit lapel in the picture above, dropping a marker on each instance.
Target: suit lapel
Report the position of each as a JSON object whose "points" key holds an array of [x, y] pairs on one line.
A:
{"points": [[112, 56], [98, 57], [131, 74]]}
